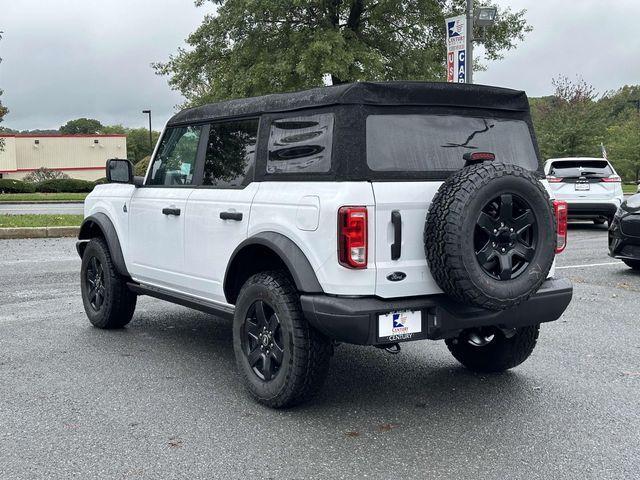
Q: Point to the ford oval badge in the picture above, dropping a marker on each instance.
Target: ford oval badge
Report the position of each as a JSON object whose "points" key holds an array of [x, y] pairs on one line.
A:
{"points": [[396, 276]]}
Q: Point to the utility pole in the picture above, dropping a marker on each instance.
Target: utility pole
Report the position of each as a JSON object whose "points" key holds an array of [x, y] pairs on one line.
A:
{"points": [[469, 59], [148, 112]]}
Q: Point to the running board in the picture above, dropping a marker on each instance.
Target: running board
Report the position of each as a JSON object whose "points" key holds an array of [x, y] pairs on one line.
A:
{"points": [[184, 300]]}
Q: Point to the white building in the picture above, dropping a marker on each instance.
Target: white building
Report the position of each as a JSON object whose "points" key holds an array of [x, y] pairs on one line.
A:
{"points": [[79, 156]]}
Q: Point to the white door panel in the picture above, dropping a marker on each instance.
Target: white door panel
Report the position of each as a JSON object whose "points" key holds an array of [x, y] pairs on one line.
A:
{"points": [[156, 240], [210, 240]]}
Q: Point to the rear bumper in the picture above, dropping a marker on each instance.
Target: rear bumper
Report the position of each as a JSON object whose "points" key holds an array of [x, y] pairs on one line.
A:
{"points": [[355, 319], [593, 209]]}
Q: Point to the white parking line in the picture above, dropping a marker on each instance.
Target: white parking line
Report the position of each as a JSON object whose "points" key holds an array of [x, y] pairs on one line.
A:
{"points": [[589, 265]]}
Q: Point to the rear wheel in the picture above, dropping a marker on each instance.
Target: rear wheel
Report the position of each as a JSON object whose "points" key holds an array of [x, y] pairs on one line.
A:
{"points": [[635, 264], [490, 349], [283, 360], [107, 300]]}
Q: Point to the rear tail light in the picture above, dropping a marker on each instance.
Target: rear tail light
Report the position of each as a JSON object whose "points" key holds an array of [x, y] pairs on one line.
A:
{"points": [[352, 237], [552, 179], [612, 179], [561, 209]]}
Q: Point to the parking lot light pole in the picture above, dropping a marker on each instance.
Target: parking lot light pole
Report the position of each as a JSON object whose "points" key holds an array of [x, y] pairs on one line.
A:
{"points": [[483, 17], [469, 46], [148, 112]]}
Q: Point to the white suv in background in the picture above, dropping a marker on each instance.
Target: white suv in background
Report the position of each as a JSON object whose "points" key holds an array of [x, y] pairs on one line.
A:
{"points": [[590, 186]]}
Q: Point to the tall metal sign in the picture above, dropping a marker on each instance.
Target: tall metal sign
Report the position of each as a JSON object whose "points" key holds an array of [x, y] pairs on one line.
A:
{"points": [[457, 49]]}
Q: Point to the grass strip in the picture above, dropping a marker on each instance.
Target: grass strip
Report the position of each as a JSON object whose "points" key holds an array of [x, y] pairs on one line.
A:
{"points": [[16, 221]]}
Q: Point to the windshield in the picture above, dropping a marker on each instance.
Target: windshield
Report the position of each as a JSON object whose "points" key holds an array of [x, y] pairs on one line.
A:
{"points": [[399, 143], [581, 168]]}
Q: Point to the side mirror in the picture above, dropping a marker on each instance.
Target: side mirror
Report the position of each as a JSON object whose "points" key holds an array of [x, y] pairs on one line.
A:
{"points": [[119, 171]]}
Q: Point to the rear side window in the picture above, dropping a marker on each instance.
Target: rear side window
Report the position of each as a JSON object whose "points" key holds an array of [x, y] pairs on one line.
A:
{"points": [[581, 168], [231, 152], [301, 144], [432, 143], [174, 164]]}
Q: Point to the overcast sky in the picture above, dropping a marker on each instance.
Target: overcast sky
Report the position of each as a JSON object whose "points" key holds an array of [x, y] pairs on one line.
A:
{"points": [[90, 58]]}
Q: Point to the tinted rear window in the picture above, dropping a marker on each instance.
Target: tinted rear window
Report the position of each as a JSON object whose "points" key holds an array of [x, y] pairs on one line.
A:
{"points": [[427, 143], [581, 168]]}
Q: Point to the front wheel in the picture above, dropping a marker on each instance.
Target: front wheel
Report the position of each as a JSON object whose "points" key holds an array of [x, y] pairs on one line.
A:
{"points": [[107, 300], [490, 349], [282, 359]]}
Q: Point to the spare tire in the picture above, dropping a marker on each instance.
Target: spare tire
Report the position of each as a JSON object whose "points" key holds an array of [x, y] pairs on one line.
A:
{"points": [[490, 235]]}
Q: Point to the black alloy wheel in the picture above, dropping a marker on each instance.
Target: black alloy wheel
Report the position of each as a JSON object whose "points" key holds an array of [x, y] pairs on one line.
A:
{"points": [[263, 342], [95, 280], [505, 237]]}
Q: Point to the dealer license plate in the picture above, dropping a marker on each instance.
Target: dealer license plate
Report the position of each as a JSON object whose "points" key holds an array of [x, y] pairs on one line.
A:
{"points": [[582, 186], [403, 325]]}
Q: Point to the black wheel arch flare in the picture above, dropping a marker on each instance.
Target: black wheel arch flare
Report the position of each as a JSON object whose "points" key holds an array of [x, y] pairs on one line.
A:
{"points": [[296, 262], [99, 224]]}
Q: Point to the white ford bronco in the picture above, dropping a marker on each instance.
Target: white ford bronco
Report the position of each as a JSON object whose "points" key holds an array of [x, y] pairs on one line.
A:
{"points": [[369, 213]]}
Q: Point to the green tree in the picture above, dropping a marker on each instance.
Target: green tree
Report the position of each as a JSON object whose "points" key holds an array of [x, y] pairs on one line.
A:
{"points": [[253, 47], [137, 140], [569, 123], [138, 143], [87, 126], [623, 146]]}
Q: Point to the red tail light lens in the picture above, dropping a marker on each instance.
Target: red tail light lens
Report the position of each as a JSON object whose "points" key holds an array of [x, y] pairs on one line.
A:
{"points": [[352, 237], [561, 209], [612, 179], [552, 179]]}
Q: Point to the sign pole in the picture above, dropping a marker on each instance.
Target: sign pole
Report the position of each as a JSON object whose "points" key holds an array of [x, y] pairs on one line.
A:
{"points": [[469, 46]]}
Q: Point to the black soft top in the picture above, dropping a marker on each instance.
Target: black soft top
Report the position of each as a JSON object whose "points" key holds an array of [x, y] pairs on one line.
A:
{"points": [[435, 94]]}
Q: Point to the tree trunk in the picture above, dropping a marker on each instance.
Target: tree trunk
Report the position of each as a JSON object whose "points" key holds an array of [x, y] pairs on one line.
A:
{"points": [[355, 15]]}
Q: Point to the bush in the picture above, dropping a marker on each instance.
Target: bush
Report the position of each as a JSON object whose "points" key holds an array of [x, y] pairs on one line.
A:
{"points": [[70, 185], [140, 168], [15, 186], [43, 174], [101, 181]]}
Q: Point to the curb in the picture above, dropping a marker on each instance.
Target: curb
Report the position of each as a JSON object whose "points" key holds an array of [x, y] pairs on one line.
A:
{"points": [[38, 232]]}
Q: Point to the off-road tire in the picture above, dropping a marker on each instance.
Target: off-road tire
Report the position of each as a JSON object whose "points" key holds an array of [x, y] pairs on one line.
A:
{"points": [[500, 354], [634, 264], [448, 235], [119, 303], [307, 353]]}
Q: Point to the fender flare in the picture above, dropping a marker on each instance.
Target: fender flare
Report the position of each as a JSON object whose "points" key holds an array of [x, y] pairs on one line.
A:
{"points": [[103, 223], [293, 258]]}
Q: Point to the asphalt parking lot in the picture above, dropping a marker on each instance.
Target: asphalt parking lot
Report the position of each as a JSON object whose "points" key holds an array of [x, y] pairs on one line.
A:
{"points": [[160, 398]]}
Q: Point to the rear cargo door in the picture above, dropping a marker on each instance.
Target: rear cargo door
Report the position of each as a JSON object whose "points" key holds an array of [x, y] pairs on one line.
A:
{"points": [[401, 211], [409, 155]]}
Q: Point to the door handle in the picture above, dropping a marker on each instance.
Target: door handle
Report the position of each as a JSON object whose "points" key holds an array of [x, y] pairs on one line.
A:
{"points": [[396, 246], [171, 211], [237, 216]]}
